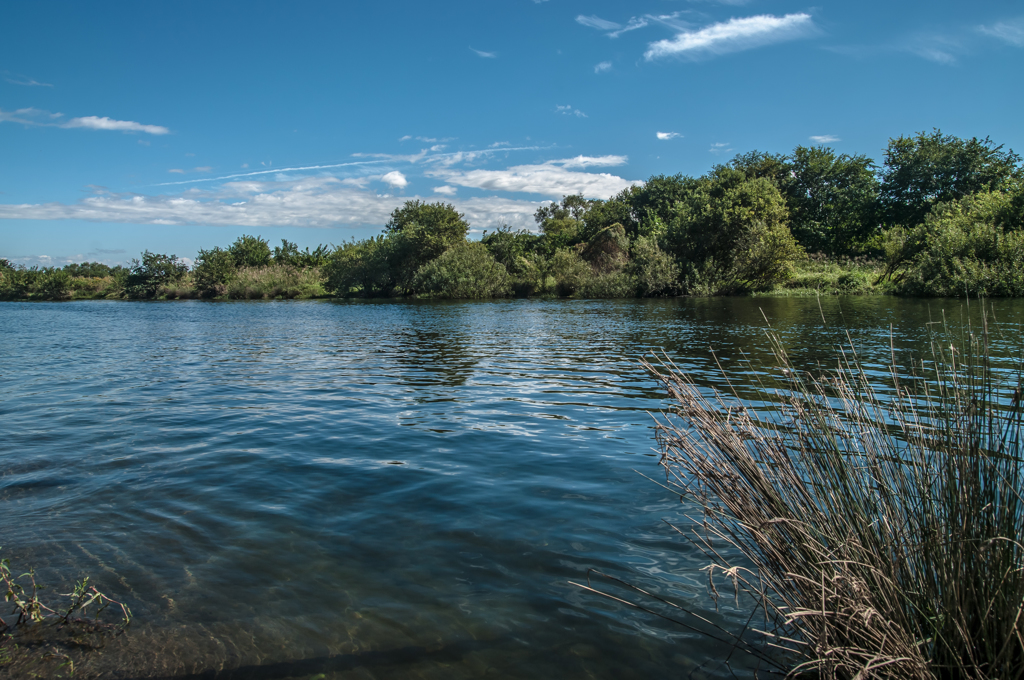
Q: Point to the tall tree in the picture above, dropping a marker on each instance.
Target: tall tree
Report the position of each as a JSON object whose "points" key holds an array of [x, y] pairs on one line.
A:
{"points": [[831, 199], [926, 169]]}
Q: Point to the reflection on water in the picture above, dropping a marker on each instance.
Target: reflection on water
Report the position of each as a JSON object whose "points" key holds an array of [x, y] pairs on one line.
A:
{"points": [[379, 489]]}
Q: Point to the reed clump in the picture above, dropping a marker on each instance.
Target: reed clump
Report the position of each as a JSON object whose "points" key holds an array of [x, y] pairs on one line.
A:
{"points": [[878, 525]]}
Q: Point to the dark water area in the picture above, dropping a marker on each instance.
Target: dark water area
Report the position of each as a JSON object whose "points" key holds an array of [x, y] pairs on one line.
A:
{"points": [[383, 490]]}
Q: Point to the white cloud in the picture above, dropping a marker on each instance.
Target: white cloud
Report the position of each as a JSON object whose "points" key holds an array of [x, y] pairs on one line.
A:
{"points": [[203, 168], [497, 144], [317, 202], [598, 23], [824, 139], [485, 55], [667, 135], [720, 148], [1011, 31], [552, 178], [178, 171], [733, 35], [15, 79], [104, 123], [445, 190], [405, 138], [395, 180], [603, 66], [569, 111]]}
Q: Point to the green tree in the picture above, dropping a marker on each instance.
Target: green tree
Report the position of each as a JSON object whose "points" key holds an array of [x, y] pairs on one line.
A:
{"points": [[466, 270], [771, 166], [212, 272], [731, 234], [832, 199], [562, 223], [510, 247], [654, 270], [146, 277], [921, 171], [250, 251]]}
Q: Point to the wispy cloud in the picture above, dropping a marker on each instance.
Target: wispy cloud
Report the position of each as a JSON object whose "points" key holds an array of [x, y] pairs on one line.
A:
{"points": [[942, 49], [667, 135], [824, 139], [313, 202], [38, 117], [445, 190], [603, 66], [1011, 31], [16, 79], [552, 178], [177, 171], [104, 123], [614, 29], [485, 55], [733, 35], [567, 110], [598, 23], [719, 148]]}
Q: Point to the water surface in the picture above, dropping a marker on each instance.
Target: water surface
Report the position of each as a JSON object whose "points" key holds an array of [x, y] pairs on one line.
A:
{"points": [[392, 489]]}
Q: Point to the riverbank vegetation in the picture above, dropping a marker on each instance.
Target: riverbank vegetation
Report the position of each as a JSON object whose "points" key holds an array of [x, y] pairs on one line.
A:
{"points": [[941, 216], [878, 526]]}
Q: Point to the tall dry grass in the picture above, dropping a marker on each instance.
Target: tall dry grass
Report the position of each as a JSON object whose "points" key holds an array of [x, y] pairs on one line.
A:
{"points": [[880, 528]]}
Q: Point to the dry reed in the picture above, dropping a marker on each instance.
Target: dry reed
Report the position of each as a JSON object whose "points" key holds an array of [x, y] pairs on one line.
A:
{"points": [[878, 528]]}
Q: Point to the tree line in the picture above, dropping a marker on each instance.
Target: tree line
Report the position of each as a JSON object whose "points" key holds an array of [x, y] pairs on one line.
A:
{"points": [[940, 215]]}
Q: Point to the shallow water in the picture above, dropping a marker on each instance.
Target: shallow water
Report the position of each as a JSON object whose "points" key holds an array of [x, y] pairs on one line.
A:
{"points": [[393, 489]]}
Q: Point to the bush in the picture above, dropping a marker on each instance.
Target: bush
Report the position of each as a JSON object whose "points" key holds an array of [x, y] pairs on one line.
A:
{"points": [[153, 272], [730, 234], [250, 251], [213, 270], [654, 270], [880, 534], [568, 271], [467, 270], [54, 284], [966, 247]]}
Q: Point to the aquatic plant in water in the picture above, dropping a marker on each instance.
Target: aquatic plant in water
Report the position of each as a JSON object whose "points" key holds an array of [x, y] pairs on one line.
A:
{"points": [[878, 526]]}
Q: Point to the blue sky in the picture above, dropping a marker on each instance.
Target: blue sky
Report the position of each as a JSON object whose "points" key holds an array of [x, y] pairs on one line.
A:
{"points": [[178, 126]]}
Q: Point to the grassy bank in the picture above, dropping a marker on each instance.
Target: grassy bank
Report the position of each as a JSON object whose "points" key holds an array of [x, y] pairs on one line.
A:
{"points": [[877, 526]]}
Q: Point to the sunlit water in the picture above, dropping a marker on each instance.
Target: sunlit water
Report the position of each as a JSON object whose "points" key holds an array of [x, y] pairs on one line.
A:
{"points": [[387, 490]]}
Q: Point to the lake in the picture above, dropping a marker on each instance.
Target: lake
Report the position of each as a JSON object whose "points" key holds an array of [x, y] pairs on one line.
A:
{"points": [[384, 489]]}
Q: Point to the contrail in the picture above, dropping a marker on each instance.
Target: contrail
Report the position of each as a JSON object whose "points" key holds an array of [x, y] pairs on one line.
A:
{"points": [[266, 172], [389, 159]]}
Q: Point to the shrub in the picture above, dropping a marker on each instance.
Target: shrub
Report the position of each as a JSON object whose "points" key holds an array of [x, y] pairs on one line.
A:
{"points": [[250, 251], [880, 534], [467, 270], [971, 246], [569, 272], [54, 284], [213, 270], [654, 270], [153, 272]]}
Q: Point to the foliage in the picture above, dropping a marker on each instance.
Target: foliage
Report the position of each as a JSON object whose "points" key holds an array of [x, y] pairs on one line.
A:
{"points": [[212, 271], [154, 271], [607, 251], [653, 270], [288, 253], [359, 268], [921, 171], [275, 281], [416, 234], [93, 270], [570, 273], [820, 274], [879, 533], [250, 251], [510, 247], [831, 199], [964, 247], [466, 270], [730, 234]]}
